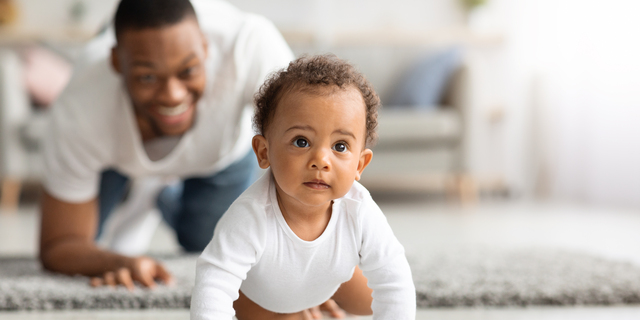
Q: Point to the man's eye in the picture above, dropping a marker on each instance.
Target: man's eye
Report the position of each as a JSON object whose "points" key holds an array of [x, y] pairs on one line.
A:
{"points": [[187, 72], [340, 147], [301, 143], [147, 79]]}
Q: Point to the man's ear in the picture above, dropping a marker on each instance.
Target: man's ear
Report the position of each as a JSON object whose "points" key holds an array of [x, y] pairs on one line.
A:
{"points": [[115, 61], [365, 158], [205, 46], [261, 149]]}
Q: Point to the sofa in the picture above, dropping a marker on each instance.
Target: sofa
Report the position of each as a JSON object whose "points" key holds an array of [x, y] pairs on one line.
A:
{"points": [[420, 149]]}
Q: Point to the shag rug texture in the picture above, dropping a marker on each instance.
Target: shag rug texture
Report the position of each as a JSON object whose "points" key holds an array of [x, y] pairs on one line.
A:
{"points": [[492, 277], [460, 278], [24, 285]]}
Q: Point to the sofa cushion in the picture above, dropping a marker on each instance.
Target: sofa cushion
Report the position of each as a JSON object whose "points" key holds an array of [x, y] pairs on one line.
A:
{"points": [[423, 85], [399, 128]]}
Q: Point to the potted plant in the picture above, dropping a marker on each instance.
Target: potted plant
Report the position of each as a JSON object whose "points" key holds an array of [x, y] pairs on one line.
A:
{"points": [[8, 12]]}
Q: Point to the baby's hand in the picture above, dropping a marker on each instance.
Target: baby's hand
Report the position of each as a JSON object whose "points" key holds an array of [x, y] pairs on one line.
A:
{"points": [[249, 310], [141, 269], [330, 306]]}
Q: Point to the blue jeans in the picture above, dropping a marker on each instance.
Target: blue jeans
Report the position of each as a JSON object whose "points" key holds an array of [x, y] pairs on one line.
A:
{"points": [[193, 207]]}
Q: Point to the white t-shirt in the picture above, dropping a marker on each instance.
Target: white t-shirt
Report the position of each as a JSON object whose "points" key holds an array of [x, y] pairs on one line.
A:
{"points": [[93, 127], [254, 250]]}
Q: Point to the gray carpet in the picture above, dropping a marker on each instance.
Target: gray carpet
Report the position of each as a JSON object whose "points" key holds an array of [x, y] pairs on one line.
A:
{"points": [[490, 277], [472, 277], [25, 286]]}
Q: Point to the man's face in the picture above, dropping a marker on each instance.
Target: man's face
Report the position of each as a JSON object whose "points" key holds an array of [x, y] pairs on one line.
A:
{"points": [[164, 72]]}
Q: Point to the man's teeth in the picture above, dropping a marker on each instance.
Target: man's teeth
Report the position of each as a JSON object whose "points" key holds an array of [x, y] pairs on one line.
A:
{"points": [[173, 111]]}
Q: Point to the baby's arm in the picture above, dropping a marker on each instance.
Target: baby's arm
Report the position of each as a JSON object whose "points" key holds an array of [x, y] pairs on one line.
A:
{"points": [[384, 264], [394, 295], [224, 263]]}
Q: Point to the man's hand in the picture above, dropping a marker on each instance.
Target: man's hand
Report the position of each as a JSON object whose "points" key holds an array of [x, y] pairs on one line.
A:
{"points": [[67, 233], [140, 269]]}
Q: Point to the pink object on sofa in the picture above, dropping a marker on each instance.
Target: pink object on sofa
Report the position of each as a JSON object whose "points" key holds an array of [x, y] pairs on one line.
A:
{"points": [[46, 74]]}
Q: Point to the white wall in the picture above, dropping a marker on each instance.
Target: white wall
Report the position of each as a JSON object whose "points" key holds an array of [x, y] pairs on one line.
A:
{"points": [[55, 16], [357, 15], [574, 70]]}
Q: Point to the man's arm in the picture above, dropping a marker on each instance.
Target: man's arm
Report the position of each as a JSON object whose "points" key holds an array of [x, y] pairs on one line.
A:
{"points": [[67, 233]]}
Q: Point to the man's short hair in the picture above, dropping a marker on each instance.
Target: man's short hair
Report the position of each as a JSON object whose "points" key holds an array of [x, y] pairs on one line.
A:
{"points": [[143, 14]]}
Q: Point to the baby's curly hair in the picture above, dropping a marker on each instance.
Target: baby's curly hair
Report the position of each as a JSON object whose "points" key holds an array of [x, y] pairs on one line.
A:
{"points": [[305, 73]]}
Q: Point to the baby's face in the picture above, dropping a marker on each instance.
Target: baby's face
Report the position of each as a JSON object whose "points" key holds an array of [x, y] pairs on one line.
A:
{"points": [[315, 145]]}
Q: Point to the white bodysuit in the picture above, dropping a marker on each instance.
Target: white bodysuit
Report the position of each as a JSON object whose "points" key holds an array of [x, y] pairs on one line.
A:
{"points": [[254, 250]]}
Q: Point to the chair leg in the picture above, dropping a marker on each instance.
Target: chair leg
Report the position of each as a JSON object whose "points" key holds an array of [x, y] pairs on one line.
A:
{"points": [[10, 194], [452, 188], [467, 189]]}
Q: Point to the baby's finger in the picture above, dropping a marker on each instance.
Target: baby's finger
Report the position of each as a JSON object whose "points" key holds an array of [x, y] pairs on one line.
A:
{"points": [[315, 313], [96, 282], [334, 310], [110, 278], [306, 315], [124, 277], [163, 274]]}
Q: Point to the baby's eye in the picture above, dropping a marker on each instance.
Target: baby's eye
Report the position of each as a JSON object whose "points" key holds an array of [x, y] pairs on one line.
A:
{"points": [[340, 147], [301, 143]]}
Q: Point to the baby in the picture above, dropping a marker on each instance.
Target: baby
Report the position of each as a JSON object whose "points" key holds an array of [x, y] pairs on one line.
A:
{"points": [[291, 239]]}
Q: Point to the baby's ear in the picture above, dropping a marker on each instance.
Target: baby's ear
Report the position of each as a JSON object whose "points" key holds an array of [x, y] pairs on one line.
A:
{"points": [[365, 158], [261, 149]]}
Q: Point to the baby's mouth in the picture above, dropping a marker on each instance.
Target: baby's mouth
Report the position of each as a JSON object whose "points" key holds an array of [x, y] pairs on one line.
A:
{"points": [[317, 184]]}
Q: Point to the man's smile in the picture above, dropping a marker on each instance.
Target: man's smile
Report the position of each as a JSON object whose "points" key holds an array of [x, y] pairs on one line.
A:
{"points": [[176, 114], [174, 111]]}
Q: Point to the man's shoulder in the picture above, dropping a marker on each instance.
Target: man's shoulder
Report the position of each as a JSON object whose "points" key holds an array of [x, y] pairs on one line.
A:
{"points": [[218, 17], [222, 21], [88, 108], [91, 88]]}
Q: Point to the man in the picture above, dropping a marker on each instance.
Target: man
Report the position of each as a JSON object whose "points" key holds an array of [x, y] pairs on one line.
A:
{"points": [[172, 100]]}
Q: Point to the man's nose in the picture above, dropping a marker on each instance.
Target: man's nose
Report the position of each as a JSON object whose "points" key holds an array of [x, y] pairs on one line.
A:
{"points": [[320, 159], [173, 92]]}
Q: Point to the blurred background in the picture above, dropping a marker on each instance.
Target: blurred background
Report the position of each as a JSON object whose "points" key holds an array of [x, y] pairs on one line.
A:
{"points": [[506, 123], [526, 99]]}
